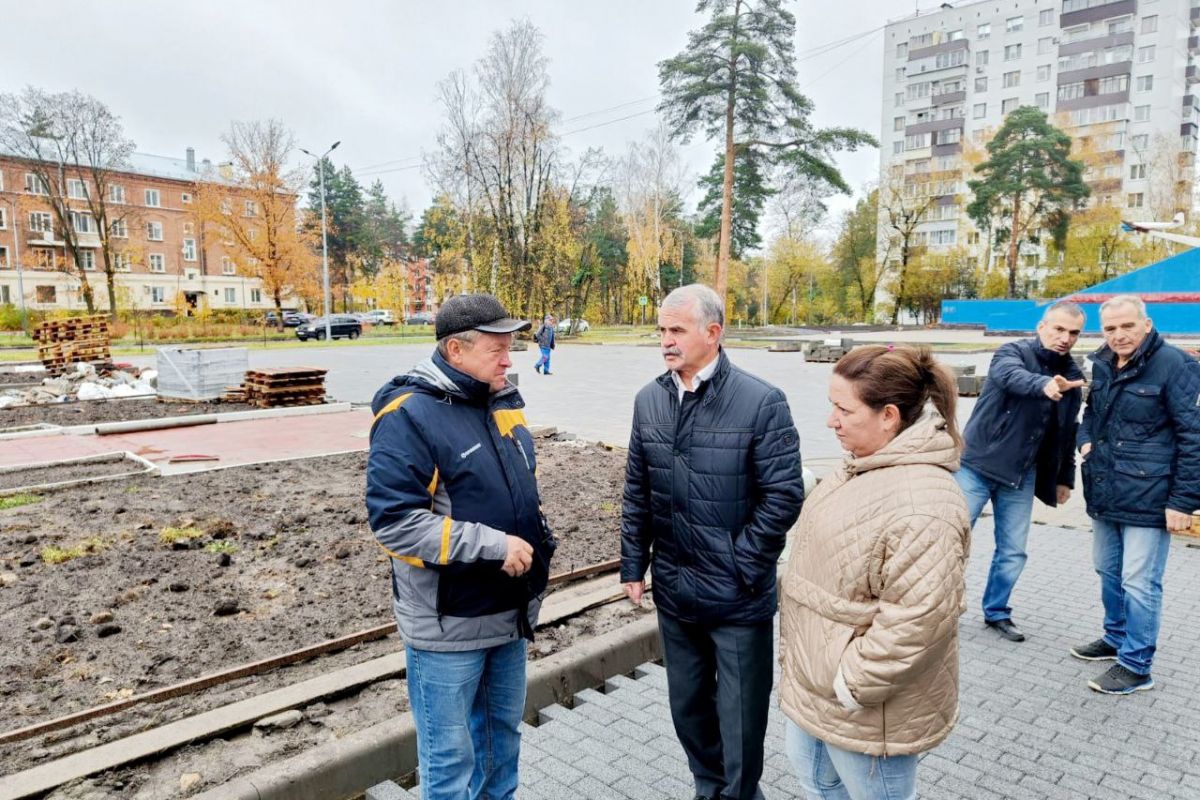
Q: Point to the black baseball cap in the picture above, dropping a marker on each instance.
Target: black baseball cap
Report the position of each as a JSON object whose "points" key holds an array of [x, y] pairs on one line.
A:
{"points": [[475, 312]]}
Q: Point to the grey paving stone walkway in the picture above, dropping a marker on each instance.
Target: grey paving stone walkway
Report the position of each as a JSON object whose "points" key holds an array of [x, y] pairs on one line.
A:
{"points": [[1030, 728]]}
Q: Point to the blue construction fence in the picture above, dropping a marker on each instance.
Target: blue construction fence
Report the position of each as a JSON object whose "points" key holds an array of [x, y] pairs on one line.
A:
{"points": [[1023, 315]]}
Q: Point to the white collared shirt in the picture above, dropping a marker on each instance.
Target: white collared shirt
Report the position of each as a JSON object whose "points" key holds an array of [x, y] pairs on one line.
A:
{"points": [[700, 377]]}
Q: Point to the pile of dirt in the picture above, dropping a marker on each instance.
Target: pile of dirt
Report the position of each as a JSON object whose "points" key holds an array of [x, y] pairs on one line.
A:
{"points": [[118, 588], [95, 411], [20, 378]]}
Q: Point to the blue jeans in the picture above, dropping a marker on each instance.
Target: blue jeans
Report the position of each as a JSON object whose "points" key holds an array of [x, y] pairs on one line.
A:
{"points": [[544, 360], [1012, 508], [831, 773], [467, 707], [1131, 562]]}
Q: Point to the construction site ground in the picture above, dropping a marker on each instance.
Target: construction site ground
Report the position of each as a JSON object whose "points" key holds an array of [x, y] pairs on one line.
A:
{"points": [[96, 411], [179, 576]]}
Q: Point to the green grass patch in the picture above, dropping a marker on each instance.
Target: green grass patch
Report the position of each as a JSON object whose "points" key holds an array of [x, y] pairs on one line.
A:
{"points": [[61, 555], [172, 535], [18, 500], [221, 547]]}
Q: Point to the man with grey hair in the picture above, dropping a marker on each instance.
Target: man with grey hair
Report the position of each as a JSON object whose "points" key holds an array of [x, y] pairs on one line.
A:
{"points": [[453, 501], [1020, 444], [1140, 442], [713, 484]]}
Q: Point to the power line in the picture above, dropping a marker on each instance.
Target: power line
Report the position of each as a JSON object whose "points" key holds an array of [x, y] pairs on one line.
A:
{"points": [[852, 54]]}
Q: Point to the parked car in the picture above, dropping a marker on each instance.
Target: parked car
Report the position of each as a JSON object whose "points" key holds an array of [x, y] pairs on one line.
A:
{"points": [[581, 325], [340, 325], [381, 316], [294, 319], [419, 318]]}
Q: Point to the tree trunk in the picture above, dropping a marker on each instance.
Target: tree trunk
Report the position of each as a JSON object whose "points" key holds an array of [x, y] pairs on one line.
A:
{"points": [[900, 286], [1012, 248], [110, 281], [723, 245]]}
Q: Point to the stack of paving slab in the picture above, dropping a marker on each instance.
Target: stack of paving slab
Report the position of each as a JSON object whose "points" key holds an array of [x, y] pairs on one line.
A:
{"points": [[63, 342], [828, 350], [199, 374], [969, 384], [293, 386]]}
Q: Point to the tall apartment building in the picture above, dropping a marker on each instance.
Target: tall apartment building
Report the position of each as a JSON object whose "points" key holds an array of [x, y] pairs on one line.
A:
{"points": [[1116, 74], [165, 260]]}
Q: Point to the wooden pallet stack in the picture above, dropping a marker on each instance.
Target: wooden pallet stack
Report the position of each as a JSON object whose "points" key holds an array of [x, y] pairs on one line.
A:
{"points": [[66, 341], [273, 388]]}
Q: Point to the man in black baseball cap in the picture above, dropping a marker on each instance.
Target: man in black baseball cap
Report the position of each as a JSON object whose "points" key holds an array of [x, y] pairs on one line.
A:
{"points": [[452, 498]]}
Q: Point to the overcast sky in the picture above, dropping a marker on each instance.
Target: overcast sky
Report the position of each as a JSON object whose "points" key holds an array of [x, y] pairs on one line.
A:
{"points": [[364, 72]]}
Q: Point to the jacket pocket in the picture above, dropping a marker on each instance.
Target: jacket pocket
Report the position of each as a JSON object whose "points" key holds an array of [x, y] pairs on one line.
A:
{"points": [[1141, 402], [815, 644]]}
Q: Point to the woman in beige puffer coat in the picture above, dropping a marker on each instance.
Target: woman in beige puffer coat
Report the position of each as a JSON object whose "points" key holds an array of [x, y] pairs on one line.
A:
{"points": [[873, 588]]}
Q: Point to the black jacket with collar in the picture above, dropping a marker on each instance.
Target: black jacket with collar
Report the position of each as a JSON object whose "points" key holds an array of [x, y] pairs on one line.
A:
{"points": [[712, 486]]}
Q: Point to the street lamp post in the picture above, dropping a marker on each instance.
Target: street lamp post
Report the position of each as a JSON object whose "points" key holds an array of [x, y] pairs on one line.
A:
{"points": [[324, 237]]}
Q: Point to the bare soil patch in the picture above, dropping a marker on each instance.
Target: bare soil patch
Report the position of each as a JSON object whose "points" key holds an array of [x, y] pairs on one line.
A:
{"points": [[43, 475], [87, 412], [18, 378], [184, 575]]}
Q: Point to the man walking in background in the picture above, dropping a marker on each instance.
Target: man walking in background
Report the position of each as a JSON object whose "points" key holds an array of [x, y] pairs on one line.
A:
{"points": [[1020, 444], [713, 484], [545, 342]]}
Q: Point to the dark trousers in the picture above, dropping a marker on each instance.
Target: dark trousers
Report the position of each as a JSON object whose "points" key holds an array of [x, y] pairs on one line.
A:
{"points": [[719, 683]]}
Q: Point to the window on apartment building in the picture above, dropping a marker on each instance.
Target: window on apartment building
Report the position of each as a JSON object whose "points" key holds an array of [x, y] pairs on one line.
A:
{"points": [[1145, 54], [1014, 24], [44, 258], [1042, 99], [230, 295], [4, 296], [122, 261], [981, 84], [899, 73], [3, 219], [157, 262], [1012, 79], [116, 193], [1045, 17], [82, 223], [1043, 73], [897, 148], [119, 229], [153, 198], [981, 58], [902, 50], [189, 249], [1045, 45], [942, 237], [256, 295], [983, 30], [898, 123], [154, 231], [899, 100], [951, 136], [86, 259], [77, 189], [45, 294], [41, 221], [1137, 172], [227, 266], [1141, 113], [250, 208], [1119, 25], [1, 180], [1149, 24], [158, 294], [1140, 141], [1012, 52], [1145, 83], [185, 198], [35, 185], [1135, 200], [1008, 105], [189, 229]]}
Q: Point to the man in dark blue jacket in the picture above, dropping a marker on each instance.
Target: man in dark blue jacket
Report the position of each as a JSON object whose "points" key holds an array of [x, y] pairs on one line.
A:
{"points": [[713, 483], [545, 342], [1020, 443], [452, 498], [1140, 442]]}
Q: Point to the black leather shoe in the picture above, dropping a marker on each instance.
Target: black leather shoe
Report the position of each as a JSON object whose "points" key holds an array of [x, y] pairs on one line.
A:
{"points": [[1005, 628]]}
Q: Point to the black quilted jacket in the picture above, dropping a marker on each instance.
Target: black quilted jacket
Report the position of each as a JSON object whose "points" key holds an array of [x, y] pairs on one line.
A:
{"points": [[712, 487]]}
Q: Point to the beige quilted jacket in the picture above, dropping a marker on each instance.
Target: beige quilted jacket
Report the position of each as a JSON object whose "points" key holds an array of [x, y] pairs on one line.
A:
{"points": [[871, 597]]}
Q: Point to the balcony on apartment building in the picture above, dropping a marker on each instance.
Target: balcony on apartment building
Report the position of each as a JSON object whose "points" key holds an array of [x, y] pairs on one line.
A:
{"points": [[1192, 74], [1077, 12], [1194, 17], [1194, 42]]}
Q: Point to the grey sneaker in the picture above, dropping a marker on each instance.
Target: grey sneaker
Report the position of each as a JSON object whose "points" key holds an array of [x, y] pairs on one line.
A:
{"points": [[1119, 680], [1098, 650]]}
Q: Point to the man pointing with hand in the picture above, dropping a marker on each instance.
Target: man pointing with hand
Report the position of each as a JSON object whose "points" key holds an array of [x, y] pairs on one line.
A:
{"points": [[1020, 443]]}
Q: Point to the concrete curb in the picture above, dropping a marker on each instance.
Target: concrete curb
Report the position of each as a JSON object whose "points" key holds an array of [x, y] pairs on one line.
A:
{"points": [[384, 752]]}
